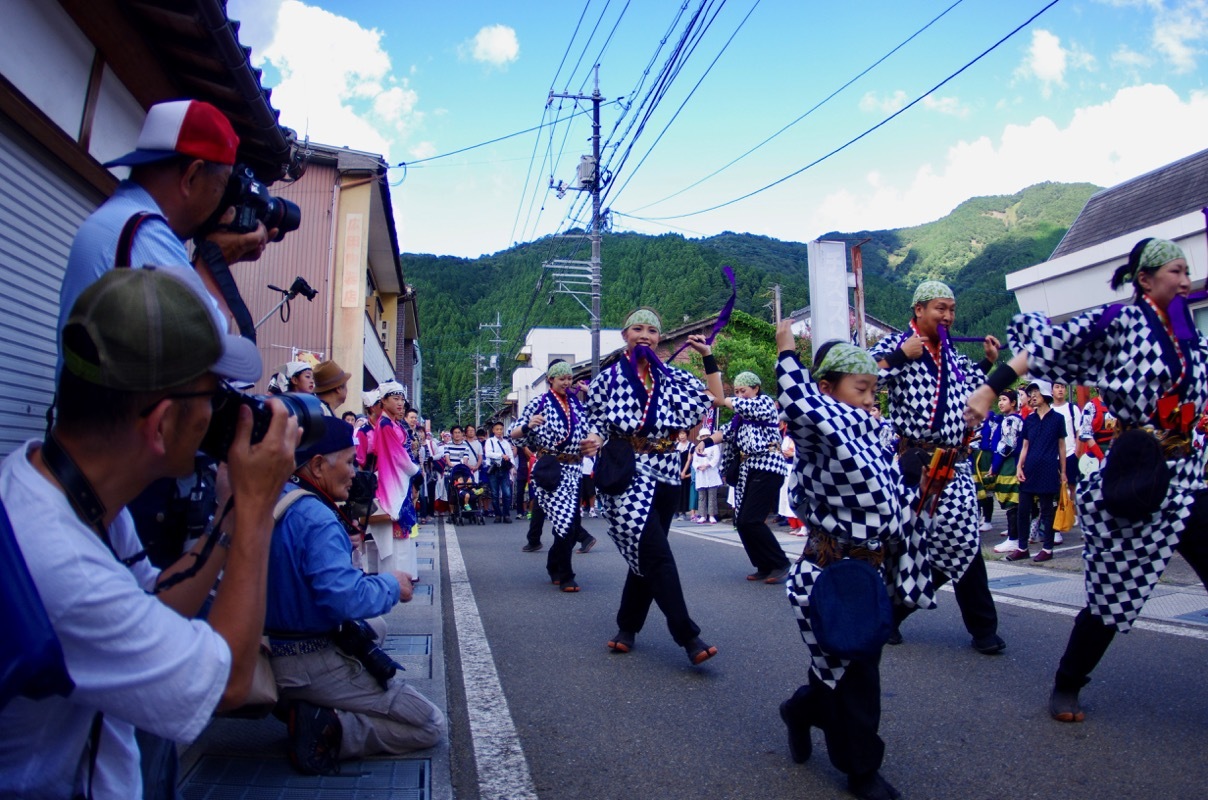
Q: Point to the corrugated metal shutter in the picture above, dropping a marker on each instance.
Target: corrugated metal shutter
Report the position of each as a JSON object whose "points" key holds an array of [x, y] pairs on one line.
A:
{"points": [[41, 206]]}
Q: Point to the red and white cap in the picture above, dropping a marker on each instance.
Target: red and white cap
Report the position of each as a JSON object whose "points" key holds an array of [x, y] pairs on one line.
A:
{"points": [[182, 127]]}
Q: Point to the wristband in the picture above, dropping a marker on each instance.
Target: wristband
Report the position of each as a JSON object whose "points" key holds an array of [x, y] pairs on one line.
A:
{"points": [[710, 364], [1001, 378], [525, 429], [985, 365], [896, 359]]}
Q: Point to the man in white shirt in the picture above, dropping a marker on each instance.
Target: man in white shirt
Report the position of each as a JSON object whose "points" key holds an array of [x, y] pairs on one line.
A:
{"points": [[143, 358], [500, 458], [1073, 423]]}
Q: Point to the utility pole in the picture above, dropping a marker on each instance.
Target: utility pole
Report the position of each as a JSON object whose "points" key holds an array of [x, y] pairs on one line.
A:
{"points": [[776, 304], [570, 279], [494, 393], [459, 402], [477, 393], [857, 271]]}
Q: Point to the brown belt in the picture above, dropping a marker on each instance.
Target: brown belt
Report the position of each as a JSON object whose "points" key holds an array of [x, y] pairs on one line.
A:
{"points": [[1174, 445], [772, 448], [822, 548], [561, 458], [645, 444], [905, 443]]}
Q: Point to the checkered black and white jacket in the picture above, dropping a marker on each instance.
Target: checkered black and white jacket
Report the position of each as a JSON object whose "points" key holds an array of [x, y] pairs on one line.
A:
{"points": [[842, 481], [559, 434], [926, 401], [617, 403], [1134, 362]]}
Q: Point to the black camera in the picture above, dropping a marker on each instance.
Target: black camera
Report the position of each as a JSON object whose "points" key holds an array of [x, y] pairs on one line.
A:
{"points": [[305, 408], [253, 205], [356, 638]]}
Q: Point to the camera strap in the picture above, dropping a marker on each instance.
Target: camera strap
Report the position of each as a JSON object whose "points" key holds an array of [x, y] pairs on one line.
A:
{"points": [[125, 242], [212, 255], [81, 495]]}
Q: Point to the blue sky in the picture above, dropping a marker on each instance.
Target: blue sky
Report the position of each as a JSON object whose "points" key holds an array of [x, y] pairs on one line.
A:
{"points": [[1091, 90]]}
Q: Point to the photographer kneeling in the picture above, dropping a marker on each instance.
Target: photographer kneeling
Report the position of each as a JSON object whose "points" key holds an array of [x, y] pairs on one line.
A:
{"points": [[344, 700]]}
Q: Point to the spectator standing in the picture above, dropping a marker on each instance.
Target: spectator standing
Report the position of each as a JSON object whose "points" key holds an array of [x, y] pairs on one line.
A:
{"points": [[500, 458], [143, 359], [396, 469], [705, 462], [1002, 466], [1073, 424], [299, 377], [684, 448], [365, 452], [1041, 469], [331, 386], [341, 703]]}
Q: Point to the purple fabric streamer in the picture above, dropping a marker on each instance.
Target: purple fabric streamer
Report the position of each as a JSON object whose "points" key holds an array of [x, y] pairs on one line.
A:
{"points": [[723, 317], [949, 351], [1180, 318]]}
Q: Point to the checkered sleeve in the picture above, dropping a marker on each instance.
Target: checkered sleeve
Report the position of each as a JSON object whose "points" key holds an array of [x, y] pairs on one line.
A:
{"points": [[1072, 351], [596, 401], [533, 407], [886, 345]]}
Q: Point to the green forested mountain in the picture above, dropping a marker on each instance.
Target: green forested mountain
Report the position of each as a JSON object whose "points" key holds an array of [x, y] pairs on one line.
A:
{"points": [[972, 249]]}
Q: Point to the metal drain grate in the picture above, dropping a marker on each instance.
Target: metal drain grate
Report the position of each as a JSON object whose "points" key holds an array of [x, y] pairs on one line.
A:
{"points": [[224, 778], [413, 651]]}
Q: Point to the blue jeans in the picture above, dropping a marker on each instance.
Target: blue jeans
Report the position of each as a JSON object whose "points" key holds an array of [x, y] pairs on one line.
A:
{"points": [[501, 492]]}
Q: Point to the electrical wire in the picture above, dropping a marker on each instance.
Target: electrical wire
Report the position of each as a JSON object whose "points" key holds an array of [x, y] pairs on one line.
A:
{"points": [[855, 139], [489, 141], [814, 108], [684, 103]]}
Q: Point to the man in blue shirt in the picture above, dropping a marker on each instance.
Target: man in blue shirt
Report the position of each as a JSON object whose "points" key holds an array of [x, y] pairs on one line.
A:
{"points": [[179, 171], [338, 708]]}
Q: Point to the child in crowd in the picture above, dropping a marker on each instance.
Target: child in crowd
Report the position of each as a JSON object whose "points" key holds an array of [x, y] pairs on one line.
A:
{"points": [[705, 461], [1002, 465], [853, 502]]}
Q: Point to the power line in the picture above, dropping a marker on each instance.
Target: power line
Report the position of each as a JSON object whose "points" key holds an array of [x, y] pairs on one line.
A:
{"points": [[815, 107], [405, 164], [684, 103], [852, 141]]}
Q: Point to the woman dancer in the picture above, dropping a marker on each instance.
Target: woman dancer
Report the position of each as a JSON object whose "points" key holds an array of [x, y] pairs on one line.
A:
{"points": [[1149, 363], [553, 426], [754, 436], [646, 404], [853, 502]]}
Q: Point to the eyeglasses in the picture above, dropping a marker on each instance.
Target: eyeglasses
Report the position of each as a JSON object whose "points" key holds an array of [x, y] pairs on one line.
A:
{"points": [[218, 398]]}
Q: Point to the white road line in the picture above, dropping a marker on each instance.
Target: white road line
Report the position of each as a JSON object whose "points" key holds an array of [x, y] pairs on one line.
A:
{"points": [[503, 771]]}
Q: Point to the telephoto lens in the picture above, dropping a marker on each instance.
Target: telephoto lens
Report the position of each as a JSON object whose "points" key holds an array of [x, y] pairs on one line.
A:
{"points": [[305, 408]]}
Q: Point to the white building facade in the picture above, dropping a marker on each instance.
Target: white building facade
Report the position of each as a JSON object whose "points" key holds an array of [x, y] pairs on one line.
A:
{"points": [[544, 345]]}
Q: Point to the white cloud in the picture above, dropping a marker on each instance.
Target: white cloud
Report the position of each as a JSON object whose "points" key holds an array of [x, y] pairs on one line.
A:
{"points": [[945, 105], [1045, 61], [337, 83], [885, 105], [1128, 58], [1179, 33], [1103, 144], [423, 149], [495, 45]]}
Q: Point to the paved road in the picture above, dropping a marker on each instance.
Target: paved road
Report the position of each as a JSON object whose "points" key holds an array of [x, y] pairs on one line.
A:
{"points": [[582, 722]]}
